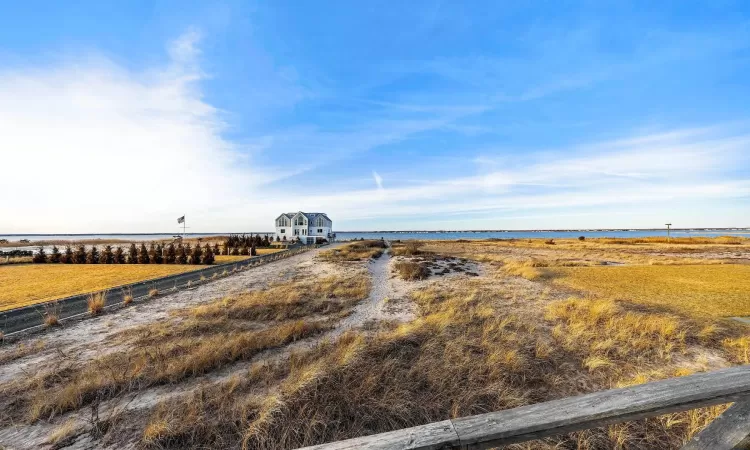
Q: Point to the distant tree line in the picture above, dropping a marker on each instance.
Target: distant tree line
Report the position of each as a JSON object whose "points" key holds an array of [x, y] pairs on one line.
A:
{"points": [[16, 253], [154, 254]]}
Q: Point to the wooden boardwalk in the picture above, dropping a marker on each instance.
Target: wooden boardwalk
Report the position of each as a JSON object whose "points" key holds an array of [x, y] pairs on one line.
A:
{"points": [[567, 415]]}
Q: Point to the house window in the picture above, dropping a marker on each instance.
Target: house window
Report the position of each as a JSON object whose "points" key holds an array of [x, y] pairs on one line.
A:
{"points": [[320, 230], [282, 231]]}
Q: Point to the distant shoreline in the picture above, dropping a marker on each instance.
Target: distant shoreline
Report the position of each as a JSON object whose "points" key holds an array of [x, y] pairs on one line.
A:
{"points": [[562, 230]]}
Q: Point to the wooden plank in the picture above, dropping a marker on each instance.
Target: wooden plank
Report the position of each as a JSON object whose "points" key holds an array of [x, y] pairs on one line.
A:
{"points": [[433, 436], [728, 431], [602, 408]]}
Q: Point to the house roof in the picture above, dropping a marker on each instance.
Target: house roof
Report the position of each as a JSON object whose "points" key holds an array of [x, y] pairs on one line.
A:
{"points": [[310, 216]]}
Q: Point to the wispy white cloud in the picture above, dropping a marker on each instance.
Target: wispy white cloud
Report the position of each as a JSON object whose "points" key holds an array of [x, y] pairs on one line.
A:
{"points": [[90, 146], [378, 180], [620, 175]]}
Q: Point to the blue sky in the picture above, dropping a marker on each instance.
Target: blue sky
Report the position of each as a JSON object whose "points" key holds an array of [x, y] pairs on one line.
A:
{"points": [[121, 116]]}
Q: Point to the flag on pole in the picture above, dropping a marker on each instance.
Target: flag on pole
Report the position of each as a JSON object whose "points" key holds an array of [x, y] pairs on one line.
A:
{"points": [[181, 219]]}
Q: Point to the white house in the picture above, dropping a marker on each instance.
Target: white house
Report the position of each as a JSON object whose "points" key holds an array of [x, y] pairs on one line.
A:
{"points": [[307, 226]]}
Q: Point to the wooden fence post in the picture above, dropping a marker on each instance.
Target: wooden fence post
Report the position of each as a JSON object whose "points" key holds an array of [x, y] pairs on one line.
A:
{"points": [[729, 431]]}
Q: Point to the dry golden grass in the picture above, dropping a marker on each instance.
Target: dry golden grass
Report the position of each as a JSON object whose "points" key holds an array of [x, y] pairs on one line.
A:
{"points": [[476, 345], [572, 252], [29, 284], [220, 259], [355, 251], [715, 290], [62, 433], [21, 350], [719, 240], [465, 354], [410, 270], [15, 260], [127, 296], [199, 340], [51, 315], [96, 303], [408, 248], [290, 300]]}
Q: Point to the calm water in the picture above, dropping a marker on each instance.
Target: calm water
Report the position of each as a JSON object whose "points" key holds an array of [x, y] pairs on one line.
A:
{"points": [[428, 235], [394, 235]]}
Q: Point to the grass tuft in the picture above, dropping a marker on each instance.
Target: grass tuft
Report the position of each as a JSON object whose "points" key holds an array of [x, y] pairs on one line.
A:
{"points": [[410, 270], [96, 303]]}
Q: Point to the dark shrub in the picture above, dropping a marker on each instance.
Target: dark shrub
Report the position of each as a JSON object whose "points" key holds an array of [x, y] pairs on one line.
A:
{"points": [[196, 255], [235, 251], [581, 238], [67, 256], [277, 239], [253, 252], [158, 255], [244, 250], [79, 257], [92, 257], [119, 256], [182, 257], [216, 248], [208, 255], [40, 257], [171, 256], [550, 242], [107, 257], [143, 255], [132, 254], [54, 257]]}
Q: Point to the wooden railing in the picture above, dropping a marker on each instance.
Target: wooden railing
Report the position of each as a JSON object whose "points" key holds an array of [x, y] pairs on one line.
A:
{"points": [[567, 415]]}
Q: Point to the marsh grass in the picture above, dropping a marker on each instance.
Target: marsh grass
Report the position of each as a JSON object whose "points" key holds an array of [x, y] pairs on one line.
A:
{"points": [[199, 340], [476, 345], [714, 290], [463, 355], [51, 315], [572, 252], [24, 285], [408, 248], [21, 350], [96, 303], [62, 433], [410, 270], [127, 296], [355, 251]]}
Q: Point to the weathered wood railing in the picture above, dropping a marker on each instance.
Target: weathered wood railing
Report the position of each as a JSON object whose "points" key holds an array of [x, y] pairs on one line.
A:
{"points": [[567, 415]]}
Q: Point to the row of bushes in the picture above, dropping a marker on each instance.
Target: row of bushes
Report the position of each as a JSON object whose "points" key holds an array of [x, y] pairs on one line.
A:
{"points": [[155, 254], [244, 240]]}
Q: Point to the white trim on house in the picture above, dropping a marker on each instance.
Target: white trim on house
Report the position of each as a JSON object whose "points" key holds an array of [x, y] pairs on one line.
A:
{"points": [[307, 226]]}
